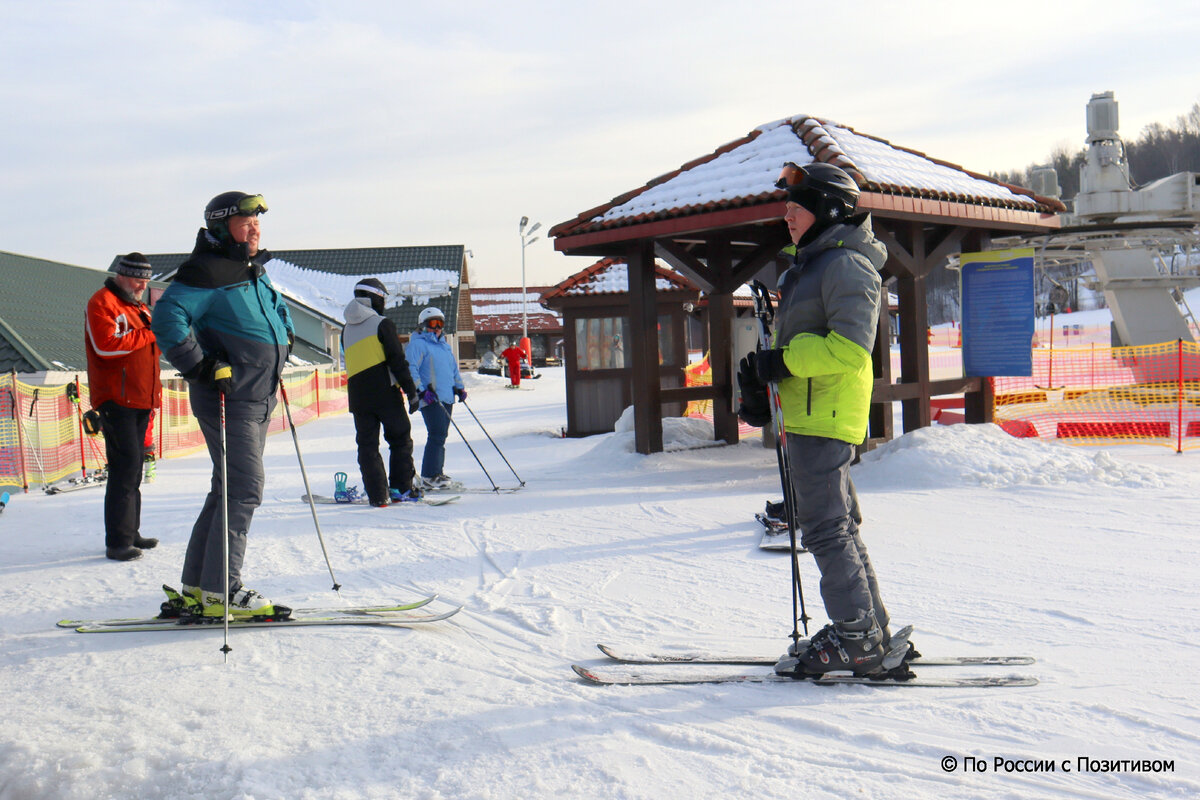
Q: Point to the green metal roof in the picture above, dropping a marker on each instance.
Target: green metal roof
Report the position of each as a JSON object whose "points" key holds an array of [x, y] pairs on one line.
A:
{"points": [[42, 304]]}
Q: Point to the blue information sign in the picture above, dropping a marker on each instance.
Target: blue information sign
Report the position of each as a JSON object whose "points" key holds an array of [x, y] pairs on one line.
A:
{"points": [[997, 304]]}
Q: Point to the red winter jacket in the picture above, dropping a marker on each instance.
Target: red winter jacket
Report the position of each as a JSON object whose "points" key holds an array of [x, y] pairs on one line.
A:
{"points": [[122, 354]]}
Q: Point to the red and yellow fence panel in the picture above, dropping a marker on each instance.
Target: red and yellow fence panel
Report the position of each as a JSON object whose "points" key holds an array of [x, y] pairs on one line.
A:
{"points": [[42, 440], [1108, 395]]}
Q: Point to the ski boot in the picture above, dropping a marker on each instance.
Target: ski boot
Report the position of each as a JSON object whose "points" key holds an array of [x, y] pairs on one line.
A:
{"points": [[184, 603], [439, 482], [852, 645], [340, 493], [411, 496], [243, 604]]}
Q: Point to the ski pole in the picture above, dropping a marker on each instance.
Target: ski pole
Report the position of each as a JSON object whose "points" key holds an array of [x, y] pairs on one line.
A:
{"points": [[225, 648], [493, 441], [307, 491], [765, 314], [37, 429], [446, 411]]}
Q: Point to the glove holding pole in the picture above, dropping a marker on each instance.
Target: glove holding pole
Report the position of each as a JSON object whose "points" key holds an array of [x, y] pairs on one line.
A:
{"points": [[212, 372]]}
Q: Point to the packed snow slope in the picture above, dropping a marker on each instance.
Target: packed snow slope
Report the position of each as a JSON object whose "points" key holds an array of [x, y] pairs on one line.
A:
{"points": [[1083, 558]]}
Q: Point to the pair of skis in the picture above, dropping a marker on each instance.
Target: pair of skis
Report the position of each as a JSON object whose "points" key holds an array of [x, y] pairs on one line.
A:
{"points": [[631, 667], [399, 614]]}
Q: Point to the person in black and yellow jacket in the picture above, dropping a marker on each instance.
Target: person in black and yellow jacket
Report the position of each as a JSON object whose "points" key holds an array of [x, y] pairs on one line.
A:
{"points": [[376, 372]]}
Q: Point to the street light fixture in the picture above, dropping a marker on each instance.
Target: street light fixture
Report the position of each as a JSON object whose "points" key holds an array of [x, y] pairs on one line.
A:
{"points": [[527, 238]]}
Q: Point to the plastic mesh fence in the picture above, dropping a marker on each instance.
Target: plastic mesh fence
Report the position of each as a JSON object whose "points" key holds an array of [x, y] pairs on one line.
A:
{"points": [[42, 439]]}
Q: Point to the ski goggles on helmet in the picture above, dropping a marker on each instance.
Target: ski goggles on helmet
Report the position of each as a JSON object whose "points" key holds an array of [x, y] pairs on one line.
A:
{"points": [[435, 324], [249, 206], [794, 180], [791, 175]]}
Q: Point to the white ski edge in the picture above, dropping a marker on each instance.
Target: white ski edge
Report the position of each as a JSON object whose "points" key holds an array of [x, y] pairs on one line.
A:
{"points": [[627, 657], [671, 675]]}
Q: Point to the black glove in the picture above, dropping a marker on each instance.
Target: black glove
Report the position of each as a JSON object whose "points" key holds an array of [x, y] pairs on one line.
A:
{"points": [[769, 366], [414, 403], [212, 372], [462, 394], [755, 408], [291, 342]]}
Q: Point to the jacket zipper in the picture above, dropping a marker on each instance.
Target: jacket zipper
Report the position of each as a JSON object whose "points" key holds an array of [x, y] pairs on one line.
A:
{"points": [[809, 399]]}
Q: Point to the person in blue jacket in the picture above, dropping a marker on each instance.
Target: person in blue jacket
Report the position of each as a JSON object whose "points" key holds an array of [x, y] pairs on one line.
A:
{"points": [[434, 369], [226, 329]]}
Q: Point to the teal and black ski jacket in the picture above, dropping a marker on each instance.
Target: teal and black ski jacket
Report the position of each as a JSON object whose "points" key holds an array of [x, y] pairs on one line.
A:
{"points": [[227, 308]]}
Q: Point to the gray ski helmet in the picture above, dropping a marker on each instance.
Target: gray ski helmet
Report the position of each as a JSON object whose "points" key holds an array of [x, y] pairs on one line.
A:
{"points": [[231, 204], [374, 290], [828, 192]]}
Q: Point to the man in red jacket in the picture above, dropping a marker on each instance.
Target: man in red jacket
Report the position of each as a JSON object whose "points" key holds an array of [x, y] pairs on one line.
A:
{"points": [[122, 357]]}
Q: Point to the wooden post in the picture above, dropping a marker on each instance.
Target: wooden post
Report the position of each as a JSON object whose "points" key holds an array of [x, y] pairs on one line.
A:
{"points": [[720, 338], [643, 334]]}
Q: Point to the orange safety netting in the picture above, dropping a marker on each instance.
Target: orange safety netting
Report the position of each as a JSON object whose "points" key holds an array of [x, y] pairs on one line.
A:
{"points": [[700, 374], [1107, 395], [42, 439]]}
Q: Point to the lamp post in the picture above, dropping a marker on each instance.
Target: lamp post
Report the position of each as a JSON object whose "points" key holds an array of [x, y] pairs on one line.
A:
{"points": [[527, 238]]}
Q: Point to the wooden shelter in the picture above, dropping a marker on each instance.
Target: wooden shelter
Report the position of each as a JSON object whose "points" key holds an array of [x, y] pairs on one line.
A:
{"points": [[602, 378], [718, 220]]}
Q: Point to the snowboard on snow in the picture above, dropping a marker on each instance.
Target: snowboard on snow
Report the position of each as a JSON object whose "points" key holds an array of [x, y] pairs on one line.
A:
{"points": [[775, 536], [362, 501]]}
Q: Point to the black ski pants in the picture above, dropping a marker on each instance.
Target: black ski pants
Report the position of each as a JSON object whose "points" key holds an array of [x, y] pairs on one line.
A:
{"points": [[397, 432], [124, 433]]}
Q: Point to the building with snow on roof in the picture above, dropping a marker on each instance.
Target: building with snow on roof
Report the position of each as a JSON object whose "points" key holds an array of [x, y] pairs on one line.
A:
{"points": [[502, 314], [317, 285], [599, 371], [718, 221]]}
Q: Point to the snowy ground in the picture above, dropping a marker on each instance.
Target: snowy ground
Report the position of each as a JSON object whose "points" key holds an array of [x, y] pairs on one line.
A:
{"points": [[1084, 558]]}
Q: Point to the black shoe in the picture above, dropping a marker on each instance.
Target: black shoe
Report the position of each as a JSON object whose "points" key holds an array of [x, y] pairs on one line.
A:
{"points": [[122, 553], [145, 543]]}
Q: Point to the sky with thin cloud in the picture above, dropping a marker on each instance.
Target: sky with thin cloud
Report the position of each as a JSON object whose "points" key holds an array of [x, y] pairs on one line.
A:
{"points": [[382, 123]]}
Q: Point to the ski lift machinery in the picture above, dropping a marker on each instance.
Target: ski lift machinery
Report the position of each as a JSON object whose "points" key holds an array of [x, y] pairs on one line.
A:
{"points": [[1142, 242]]}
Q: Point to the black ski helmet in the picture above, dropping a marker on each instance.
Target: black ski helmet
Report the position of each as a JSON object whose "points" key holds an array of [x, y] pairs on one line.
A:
{"points": [[374, 290], [231, 204], [828, 192]]}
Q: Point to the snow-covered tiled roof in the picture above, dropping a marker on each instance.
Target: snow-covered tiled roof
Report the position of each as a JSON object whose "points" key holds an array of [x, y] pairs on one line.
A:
{"points": [[611, 276], [743, 172], [501, 310]]}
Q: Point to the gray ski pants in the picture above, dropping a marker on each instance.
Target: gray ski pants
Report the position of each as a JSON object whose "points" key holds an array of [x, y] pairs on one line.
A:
{"points": [[828, 516], [245, 437]]}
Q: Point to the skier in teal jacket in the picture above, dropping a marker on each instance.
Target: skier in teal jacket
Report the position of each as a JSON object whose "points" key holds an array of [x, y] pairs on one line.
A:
{"points": [[225, 327]]}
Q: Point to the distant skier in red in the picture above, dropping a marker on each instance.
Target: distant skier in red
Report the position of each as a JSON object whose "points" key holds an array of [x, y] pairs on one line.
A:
{"points": [[514, 355]]}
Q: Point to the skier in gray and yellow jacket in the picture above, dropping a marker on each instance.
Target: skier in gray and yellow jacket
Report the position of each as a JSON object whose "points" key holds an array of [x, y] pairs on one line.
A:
{"points": [[377, 371], [821, 363]]}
